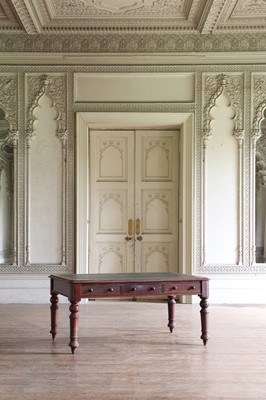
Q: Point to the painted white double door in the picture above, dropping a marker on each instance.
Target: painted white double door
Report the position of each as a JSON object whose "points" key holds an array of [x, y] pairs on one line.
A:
{"points": [[133, 201]]}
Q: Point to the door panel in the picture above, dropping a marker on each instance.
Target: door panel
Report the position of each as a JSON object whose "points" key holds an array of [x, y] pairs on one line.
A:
{"points": [[112, 186], [156, 200], [134, 201]]}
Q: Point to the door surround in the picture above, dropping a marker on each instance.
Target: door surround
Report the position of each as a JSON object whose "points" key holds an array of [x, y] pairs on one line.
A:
{"points": [[85, 121]]}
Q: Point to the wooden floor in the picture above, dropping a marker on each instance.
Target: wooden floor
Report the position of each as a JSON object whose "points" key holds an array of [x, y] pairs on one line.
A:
{"points": [[127, 352]]}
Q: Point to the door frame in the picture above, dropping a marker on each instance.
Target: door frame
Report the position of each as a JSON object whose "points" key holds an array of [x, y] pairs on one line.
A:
{"points": [[184, 122]]}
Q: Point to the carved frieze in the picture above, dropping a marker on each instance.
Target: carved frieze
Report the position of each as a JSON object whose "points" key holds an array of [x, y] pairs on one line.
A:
{"points": [[137, 42]]}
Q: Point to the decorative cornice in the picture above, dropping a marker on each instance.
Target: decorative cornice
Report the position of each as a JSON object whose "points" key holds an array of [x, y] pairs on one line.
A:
{"points": [[133, 42]]}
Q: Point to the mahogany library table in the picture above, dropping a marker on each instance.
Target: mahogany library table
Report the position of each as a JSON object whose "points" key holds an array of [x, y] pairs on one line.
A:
{"points": [[93, 286]]}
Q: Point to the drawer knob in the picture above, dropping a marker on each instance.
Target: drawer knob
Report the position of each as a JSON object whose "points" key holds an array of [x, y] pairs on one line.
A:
{"points": [[174, 288], [152, 288], [134, 289], [191, 288], [111, 289], [90, 290]]}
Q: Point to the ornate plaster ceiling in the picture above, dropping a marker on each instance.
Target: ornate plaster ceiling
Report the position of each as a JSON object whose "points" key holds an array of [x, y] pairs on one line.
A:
{"points": [[184, 16], [75, 31]]}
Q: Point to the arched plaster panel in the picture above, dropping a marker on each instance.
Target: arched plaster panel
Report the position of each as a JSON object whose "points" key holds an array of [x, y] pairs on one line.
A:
{"points": [[221, 186], [222, 182], [259, 109], [46, 154], [9, 109], [46, 186]]}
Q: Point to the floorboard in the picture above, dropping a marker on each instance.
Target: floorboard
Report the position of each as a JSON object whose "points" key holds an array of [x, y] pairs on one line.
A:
{"points": [[127, 352]]}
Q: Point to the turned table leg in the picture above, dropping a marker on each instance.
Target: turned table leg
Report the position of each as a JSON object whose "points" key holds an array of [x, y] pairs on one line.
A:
{"points": [[204, 319], [54, 313], [171, 313], [74, 319]]}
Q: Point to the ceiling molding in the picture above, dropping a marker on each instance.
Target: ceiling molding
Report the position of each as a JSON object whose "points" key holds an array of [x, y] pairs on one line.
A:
{"points": [[25, 17], [87, 16], [210, 16]]}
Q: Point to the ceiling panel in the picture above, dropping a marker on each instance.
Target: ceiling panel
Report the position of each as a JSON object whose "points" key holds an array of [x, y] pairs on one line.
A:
{"points": [[202, 16]]}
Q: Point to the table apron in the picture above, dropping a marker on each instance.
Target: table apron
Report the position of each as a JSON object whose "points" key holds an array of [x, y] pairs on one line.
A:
{"points": [[92, 290]]}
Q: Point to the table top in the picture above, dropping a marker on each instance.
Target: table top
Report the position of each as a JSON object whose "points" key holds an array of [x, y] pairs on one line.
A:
{"points": [[128, 277]]}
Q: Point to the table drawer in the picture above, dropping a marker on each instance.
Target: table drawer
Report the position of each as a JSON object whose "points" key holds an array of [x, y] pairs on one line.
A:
{"points": [[100, 290], [141, 289], [183, 287]]}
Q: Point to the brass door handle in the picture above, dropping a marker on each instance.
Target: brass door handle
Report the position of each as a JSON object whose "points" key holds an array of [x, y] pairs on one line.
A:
{"points": [[130, 227], [127, 238], [139, 238], [137, 226]]}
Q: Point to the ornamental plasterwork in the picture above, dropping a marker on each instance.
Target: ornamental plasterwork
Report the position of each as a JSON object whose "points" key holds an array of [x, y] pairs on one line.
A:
{"points": [[209, 23], [245, 7], [259, 103], [36, 17], [25, 17], [104, 12], [132, 43], [8, 98], [243, 15], [214, 86], [121, 6], [232, 87], [54, 87], [9, 20]]}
